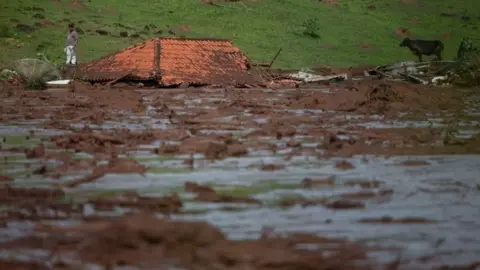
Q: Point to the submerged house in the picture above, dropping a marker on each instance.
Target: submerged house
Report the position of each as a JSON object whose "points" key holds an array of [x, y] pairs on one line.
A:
{"points": [[173, 61]]}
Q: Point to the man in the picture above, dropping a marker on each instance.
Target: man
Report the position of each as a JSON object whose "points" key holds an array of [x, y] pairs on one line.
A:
{"points": [[71, 46]]}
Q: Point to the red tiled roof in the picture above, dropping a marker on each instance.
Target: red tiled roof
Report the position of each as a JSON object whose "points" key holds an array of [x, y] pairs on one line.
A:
{"points": [[202, 61]]}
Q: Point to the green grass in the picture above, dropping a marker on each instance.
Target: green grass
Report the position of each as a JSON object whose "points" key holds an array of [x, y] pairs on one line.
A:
{"points": [[21, 174], [258, 27], [17, 140]]}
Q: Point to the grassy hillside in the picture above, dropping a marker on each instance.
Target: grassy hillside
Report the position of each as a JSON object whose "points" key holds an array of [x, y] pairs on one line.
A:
{"points": [[351, 33]]}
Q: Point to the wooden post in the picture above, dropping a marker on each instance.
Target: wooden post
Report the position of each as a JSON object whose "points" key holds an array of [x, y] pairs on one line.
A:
{"points": [[156, 59], [274, 58]]}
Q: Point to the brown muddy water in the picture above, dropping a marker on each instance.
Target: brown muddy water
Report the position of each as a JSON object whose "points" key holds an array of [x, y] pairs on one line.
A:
{"points": [[366, 175]]}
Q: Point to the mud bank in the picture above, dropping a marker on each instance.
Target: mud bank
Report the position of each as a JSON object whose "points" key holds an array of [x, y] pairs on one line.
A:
{"points": [[366, 172]]}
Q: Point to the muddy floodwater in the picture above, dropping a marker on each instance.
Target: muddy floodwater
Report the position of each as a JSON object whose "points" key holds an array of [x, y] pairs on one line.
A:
{"points": [[359, 175]]}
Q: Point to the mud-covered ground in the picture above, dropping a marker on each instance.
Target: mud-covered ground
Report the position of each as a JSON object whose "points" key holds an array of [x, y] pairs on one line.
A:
{"points": [[356, 175]]}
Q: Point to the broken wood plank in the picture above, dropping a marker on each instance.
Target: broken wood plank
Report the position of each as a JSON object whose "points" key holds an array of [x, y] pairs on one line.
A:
{"points": [[109, 84], [414, 78], [274, 58]]}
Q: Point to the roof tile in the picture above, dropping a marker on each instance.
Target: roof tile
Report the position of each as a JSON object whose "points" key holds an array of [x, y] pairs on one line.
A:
{"points": [[201, 61]]}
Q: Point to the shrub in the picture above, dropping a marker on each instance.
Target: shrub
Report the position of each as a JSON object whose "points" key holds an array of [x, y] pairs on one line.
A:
{"points": [[310, 28], [35, 73], [5, 31]]}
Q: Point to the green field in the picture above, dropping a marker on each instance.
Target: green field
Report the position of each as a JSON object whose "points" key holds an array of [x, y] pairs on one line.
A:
{"points": [[258, 27]]}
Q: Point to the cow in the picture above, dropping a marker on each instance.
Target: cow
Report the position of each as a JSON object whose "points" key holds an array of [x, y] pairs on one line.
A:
{"points": [[424, 47]]}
